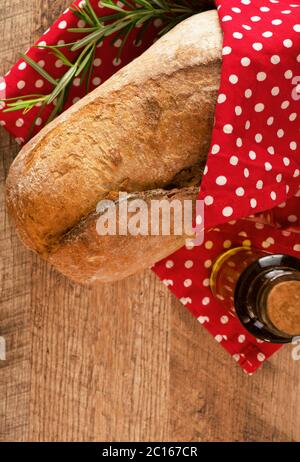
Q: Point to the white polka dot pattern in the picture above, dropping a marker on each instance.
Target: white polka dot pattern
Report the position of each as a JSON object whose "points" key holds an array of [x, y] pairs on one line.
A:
{"points": [[254, 163], [250, 118], [23, 80]]}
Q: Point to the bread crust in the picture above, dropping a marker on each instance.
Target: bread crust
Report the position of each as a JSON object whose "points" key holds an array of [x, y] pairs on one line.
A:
{"points": [[89, 258], [135, 133]]}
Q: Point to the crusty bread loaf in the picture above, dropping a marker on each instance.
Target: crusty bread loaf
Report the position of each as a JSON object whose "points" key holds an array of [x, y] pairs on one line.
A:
{"points": [[147, 127]]}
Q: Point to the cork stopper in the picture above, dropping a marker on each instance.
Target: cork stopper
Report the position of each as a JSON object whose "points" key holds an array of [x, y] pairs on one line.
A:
{"points": [[283, 307]]}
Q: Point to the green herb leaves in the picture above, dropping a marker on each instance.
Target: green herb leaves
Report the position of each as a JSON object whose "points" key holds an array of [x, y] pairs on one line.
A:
{"points": [[119, 24]]}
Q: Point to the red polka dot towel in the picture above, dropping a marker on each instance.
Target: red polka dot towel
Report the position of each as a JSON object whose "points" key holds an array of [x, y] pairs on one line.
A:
{"points": [[23, 80], [254, 155], [253, 164]]}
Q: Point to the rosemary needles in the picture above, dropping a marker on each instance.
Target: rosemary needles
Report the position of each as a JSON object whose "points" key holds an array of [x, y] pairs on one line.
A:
{"points": [[123, 17]]}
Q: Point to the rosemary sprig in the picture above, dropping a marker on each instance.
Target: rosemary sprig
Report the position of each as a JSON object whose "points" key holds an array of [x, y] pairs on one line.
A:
{"points": [[119, 24]]}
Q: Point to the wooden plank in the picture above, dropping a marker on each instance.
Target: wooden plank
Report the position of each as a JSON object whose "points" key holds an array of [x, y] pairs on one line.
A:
{"points": [[100, 361], [124, 361], [85, 365], [213, 400], [15, 262]]}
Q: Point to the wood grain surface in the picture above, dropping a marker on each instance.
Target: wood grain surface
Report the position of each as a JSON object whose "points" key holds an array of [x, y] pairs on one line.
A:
{"points": [[122, 362]]}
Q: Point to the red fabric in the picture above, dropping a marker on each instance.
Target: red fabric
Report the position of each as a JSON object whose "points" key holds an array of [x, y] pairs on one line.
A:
{"points": [[23, 80], [253, 163]]}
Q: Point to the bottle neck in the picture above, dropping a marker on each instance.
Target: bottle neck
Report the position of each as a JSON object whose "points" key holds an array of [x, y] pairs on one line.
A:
{"points": [[265, 309], [263, 290]]}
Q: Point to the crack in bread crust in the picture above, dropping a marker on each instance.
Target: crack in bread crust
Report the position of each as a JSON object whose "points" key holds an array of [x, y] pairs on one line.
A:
{"points": [[86, 257]]}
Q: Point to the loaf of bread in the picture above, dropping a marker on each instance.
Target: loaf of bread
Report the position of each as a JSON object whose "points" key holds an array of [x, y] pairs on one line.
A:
{"points": [[145, 131]]}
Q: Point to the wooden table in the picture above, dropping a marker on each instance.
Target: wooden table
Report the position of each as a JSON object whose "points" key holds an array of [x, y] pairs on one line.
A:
{"points": [[125, 361]]}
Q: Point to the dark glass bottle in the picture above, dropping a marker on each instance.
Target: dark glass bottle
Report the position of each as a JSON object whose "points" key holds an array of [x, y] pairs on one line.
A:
{"points": [[262, 289]]}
